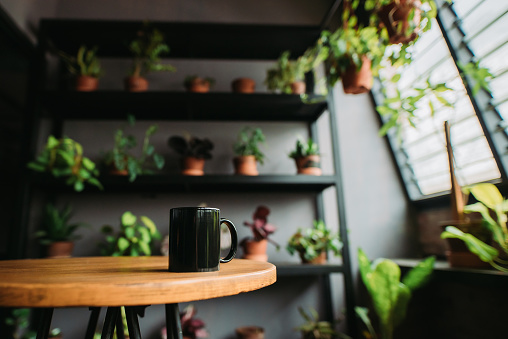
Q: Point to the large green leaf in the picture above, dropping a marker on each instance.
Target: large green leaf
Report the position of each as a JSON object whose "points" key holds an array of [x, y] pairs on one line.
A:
{"points": [[482, 250], [128, 219], [487, 194], [420, 274]]}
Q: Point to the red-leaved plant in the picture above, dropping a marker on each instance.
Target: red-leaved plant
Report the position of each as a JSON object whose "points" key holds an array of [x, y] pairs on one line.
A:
{"points": [[260, 227]]}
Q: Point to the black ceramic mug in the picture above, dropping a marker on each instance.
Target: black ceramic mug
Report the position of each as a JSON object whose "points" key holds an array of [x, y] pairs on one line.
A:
{"points": [[194, 239]]}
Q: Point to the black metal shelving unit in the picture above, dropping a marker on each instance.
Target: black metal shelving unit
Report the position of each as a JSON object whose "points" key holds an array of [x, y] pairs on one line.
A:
{"points": [[200, 41]]}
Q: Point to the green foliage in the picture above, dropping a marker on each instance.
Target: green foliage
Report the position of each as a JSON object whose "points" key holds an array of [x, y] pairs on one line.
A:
{"points": [[480, 76], [147, 48], [311, 242], [17, 322], [84, 63], [316, 329], [390, 296], [134, 238], [248, 143], [304, 149], [399, 109], [493, 209], [121, 156], [63, 158], [56, 226]]}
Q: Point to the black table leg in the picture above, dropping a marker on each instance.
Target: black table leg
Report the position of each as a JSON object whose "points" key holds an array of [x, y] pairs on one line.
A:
{"points": [[112, 315], [173, 325], [132, 322], [119, 325], [45, 323], [92, 322]]}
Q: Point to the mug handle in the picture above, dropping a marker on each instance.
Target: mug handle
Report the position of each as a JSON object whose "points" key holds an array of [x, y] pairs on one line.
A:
{"points": [[234, 240]]}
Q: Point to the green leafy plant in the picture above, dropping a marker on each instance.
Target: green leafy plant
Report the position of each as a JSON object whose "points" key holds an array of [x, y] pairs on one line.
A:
{"points": [[134, 238], [248, 143], [63, 158], [147, 48], [390, 295], [493, 209], [56, 226], [311, 242], [17, 321], [84, 63], [121, 156], [316, 329], [189, 146], [480, 76], [304, 149]]}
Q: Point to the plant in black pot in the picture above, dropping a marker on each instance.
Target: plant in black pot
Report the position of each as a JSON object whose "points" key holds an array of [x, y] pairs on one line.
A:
{"points": [[57, 233], [255, 247], [63, 158], [307, 157], [194, 152], [312, 244]]}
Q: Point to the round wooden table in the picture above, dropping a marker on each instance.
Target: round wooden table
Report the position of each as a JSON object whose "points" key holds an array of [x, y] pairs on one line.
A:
{"points": [[121, 281]]}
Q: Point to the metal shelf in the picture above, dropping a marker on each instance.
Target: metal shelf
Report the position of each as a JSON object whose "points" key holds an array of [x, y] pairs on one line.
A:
{"points": [[162, 105]]}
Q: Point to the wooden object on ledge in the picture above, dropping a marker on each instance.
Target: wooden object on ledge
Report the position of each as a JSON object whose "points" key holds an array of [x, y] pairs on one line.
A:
{"points": [[456, 196]]}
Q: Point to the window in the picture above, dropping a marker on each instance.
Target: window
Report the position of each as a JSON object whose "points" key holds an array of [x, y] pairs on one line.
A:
{"points": [[480, 33]]}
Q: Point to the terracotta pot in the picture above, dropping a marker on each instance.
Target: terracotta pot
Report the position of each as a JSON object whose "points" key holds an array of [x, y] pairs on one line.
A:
{"points": [[59, 249], [136, 84], [250, 332], [246, 165], [255, 250], [113, 170], [309, 165], [395, 17], [85, 83], [193, 166], [198, 85], [358, 81], [320, 259], [458, 255], [243, 85], [298, 87]]}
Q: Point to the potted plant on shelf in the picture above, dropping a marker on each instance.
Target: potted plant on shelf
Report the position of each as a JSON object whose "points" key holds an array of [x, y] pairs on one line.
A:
{"points": [[317, 329], [146, 48], [255, 247], [312, 244], [390, 295], [307, 157], [63, 158], [194, 152], [490, 244], [196, 84], [243, 85], [57, 234], [85, 67], [247, 151], [288, 76], [134, 238], [120, 159], [250, 332]]}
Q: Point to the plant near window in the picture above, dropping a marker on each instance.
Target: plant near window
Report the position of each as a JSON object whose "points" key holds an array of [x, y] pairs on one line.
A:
{"points": [[121, 158], [390, 295], [247, 151], [312, 244], [134, 238], [63, 158], [480, 76], [493, 209], [313, 328]]}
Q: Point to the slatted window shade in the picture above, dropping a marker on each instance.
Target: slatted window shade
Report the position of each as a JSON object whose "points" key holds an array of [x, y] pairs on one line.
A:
{"points": [[421, 152]]}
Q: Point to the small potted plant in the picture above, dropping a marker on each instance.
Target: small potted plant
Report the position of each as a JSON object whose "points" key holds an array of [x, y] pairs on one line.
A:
{"points": [[307, 158], [288, 76], [255, 247], [317, 329], [120, 159], [85, 66], [312, 244], [146, 48], [247, 151], [194, 152], [134, 238], [391, 297], [243, 85], [63, 158], [57, 234], [196, 84]]}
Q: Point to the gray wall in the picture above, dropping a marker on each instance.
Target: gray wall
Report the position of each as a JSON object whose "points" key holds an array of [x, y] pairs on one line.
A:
{"points": [[376, 209]]}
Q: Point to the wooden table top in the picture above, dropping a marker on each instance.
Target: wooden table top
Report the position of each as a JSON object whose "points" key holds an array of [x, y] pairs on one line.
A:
{"points": [[122, 281]]}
